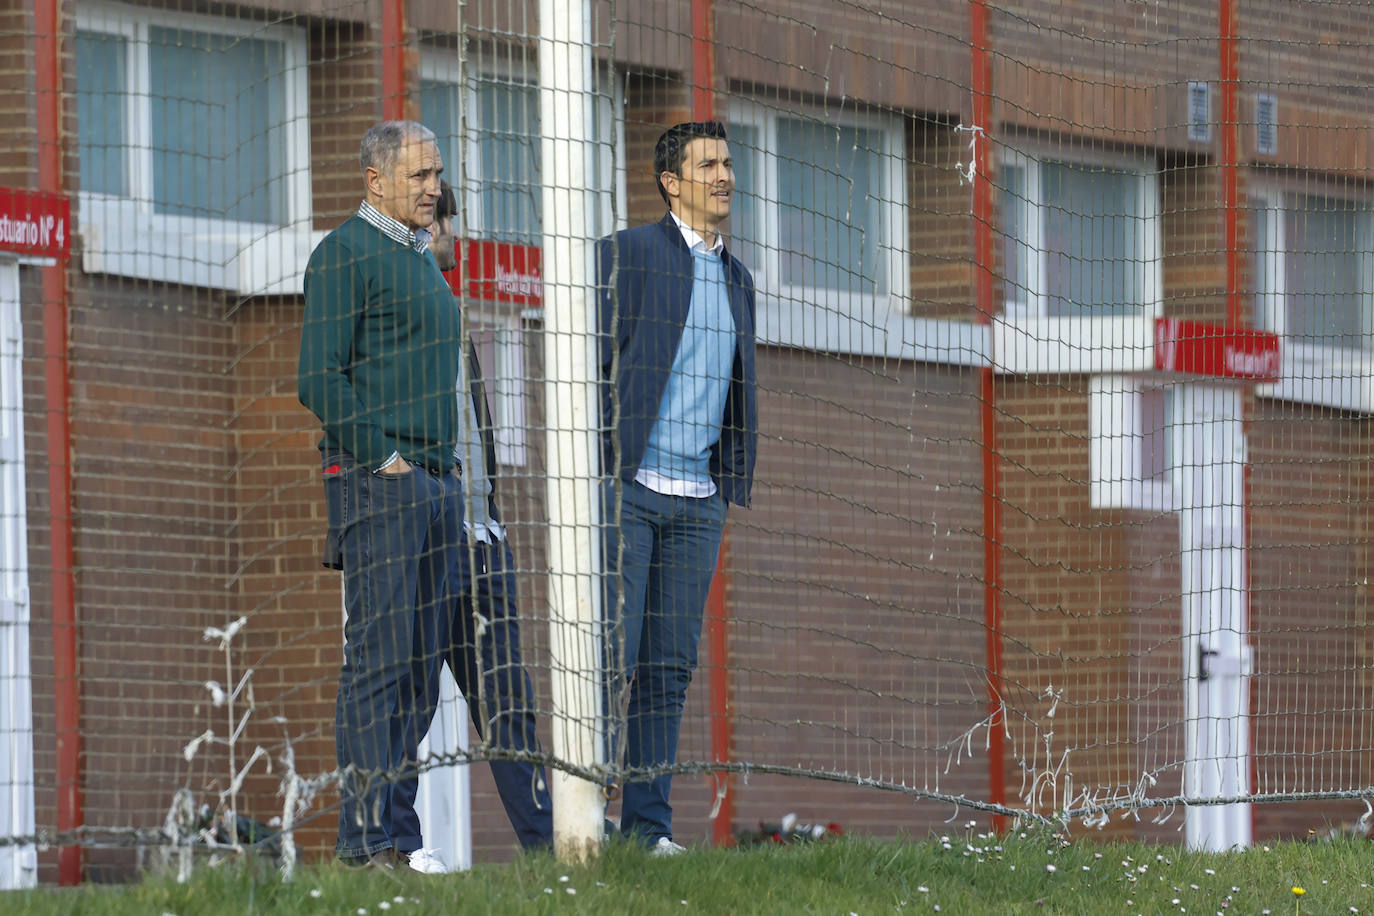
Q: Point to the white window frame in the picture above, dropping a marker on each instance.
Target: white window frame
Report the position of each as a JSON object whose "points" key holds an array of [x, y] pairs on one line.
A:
{"points": [[1321, 374], [1036, 303], [444, 66], [123, 235], [506, 389], [1117, 442], [1025, 338], [18, 863], [893, 244]]}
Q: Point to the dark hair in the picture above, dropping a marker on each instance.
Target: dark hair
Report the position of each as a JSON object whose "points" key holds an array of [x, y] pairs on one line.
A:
{"points": [[671, 148], [447, 205]]}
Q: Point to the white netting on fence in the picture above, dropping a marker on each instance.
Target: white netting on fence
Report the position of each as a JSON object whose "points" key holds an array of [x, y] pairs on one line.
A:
{"points": [[1039, 348]]}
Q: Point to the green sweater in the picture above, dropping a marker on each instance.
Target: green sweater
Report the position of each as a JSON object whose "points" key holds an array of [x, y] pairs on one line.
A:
{"points": [[379, 349]]}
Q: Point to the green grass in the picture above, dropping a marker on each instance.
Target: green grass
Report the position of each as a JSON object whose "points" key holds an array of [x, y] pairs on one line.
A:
{"points": [[965, 875]]}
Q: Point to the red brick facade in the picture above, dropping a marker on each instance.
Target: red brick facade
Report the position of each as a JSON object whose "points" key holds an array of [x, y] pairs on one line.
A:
{"points": [[857, 582]]}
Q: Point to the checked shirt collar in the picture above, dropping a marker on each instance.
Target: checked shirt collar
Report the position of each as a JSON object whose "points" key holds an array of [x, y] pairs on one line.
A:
{"points": [[394, 229]]}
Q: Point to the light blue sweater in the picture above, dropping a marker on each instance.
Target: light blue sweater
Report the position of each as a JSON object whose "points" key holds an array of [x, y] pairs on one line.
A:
{"points": [[693, 404]]}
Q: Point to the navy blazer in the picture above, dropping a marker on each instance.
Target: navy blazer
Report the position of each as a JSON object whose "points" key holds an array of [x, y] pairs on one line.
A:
{"points": [[644, 292]]}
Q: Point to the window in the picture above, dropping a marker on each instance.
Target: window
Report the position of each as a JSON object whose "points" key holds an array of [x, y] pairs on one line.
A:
{"points": [[1314, 283], [1132, 442], [819, 215], [193, 141], [500, 158], [1080, 239], [1314, 270], [500, 346]]}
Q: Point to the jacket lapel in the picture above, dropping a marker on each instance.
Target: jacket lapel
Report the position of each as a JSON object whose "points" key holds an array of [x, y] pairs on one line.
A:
{"points": [[677, 268]]}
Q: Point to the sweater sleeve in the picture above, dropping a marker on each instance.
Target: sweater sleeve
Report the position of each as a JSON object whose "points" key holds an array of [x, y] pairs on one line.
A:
{"points": [[335, 296]]}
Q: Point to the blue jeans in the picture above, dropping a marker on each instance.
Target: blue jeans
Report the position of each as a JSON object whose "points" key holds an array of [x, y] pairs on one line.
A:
{"points": [[396, 537], [660, 556], [486, 664]]}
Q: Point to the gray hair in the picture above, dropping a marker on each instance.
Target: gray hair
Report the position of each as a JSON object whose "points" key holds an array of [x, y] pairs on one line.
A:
{"points": [[382, 143]]}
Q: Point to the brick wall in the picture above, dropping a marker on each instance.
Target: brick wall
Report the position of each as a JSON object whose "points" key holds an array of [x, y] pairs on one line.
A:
{"points": [[856, 606], [652, 105], [1066, 626], [345, 74], [1309, 619], [154, 548], [939, 231]]}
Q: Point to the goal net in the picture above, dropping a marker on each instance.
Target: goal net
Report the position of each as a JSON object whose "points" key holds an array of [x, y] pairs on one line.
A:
{"points": [[1038, 349]]}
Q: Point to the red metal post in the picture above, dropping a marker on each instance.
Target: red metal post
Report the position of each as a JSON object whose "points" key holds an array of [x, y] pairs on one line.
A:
{"points": [[722, 723], [66, 687], [1230, 117], [703, 60], [981, 66], [1229, 72], [394, 88], [717, 606]]}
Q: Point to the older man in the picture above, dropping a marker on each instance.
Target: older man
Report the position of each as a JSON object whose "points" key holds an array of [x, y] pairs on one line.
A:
{"points": [[380, 351]]}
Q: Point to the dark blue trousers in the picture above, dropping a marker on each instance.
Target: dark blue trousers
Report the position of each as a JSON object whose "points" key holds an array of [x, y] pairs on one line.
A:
{"points": [[396, 538], [661, 556], [482, 634]]}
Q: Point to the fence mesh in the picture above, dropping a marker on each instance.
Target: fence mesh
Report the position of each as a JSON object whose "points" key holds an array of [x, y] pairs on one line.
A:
{"points": [[1060, 325]]}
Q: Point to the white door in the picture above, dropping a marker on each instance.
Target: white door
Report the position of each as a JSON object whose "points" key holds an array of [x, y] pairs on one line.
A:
{"points": [[445, 800], [18, 864]]}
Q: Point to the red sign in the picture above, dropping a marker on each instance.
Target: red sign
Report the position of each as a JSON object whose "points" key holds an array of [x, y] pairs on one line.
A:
{"points": [[35, 223], [502, 272], [1198, 348]]}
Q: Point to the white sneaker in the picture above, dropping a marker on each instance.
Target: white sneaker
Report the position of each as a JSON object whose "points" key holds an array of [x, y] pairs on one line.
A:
{"points": [[666, 847], [427, 862]]}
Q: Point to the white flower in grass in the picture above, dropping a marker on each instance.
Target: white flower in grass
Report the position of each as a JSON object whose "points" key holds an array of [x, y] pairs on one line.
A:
{"points": [[563, 879], [400, 899], [316, 893], [384, 905], [570, 890], [1051, 868]]}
